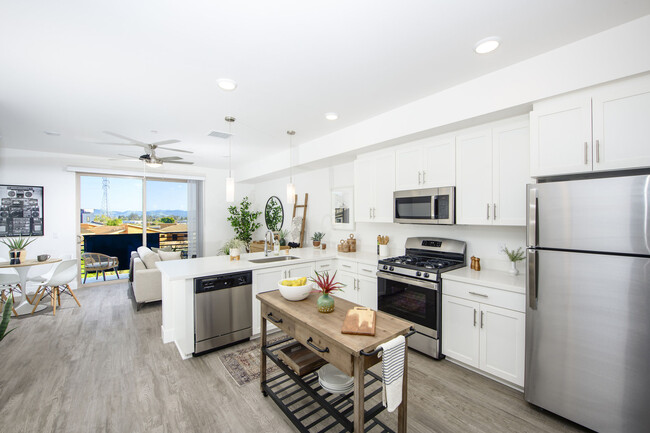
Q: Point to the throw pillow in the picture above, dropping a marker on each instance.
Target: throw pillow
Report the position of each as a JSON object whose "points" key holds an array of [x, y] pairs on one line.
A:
{"points": [[150, 260], [169, 255]]}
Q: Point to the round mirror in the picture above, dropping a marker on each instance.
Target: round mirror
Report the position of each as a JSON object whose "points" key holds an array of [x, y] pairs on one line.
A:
{"points": [[274, 214]]}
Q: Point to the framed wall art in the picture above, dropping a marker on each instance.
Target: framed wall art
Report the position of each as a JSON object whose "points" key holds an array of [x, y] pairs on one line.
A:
{"points": [[21, 210]]}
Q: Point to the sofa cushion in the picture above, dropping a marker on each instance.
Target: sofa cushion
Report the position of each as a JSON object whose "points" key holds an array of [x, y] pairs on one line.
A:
{"points": [[148, 257], [169, 255]]}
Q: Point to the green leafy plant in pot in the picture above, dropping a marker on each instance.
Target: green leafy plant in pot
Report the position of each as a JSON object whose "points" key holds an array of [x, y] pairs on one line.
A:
{"points": [[514, 257], [243, 220], [316, 238], [17, 248], [6, 315], [326, 285], [232, 244]]}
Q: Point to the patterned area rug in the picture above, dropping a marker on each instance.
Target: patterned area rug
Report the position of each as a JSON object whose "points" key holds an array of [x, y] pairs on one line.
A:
{"points": [[244, 364]]}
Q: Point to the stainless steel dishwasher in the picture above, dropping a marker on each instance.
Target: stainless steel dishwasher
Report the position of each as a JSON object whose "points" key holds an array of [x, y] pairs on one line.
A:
{"points": [[223, 307]]}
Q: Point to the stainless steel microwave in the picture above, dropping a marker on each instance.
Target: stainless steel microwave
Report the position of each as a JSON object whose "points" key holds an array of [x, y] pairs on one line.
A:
{"points": [[425, 206]]}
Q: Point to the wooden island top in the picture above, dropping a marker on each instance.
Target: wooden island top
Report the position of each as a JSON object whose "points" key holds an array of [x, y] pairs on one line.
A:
{"points": [[329, 324]]}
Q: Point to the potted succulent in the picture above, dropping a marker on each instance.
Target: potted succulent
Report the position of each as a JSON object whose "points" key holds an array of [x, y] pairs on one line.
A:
{"points": [[232, 244], [17, 248], [283, 237], [326, 285], [514, 257], [316, 238]]}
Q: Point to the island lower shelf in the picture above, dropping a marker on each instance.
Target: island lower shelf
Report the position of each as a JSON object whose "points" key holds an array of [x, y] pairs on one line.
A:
{"points": [[312, 409]]}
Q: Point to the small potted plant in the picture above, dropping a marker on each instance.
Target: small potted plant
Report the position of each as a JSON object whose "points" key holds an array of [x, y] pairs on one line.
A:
{"points": [[514, 257], [316, 238], [17, 248], [326, 285]]}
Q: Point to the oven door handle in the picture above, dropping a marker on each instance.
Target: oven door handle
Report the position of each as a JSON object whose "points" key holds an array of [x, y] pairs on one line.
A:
{"points": [[426, 284]]}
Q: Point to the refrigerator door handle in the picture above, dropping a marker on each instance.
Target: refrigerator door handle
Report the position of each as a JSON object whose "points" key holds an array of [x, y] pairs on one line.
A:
{"points": [[532, 214], [531, 259]]}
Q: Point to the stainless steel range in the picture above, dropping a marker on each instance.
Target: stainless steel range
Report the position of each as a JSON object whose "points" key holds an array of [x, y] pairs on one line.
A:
{"points": [[409, 287]]}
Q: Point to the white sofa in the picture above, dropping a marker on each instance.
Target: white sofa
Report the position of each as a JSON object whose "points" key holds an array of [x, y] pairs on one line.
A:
{"points": [[145, 277]]}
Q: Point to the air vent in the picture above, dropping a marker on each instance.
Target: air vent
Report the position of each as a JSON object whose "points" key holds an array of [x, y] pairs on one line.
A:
{"points": [[219, 134]]}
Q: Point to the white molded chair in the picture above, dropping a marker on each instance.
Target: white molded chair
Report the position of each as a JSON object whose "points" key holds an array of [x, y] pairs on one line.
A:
{"points": [[58, 282], [10, 282]]}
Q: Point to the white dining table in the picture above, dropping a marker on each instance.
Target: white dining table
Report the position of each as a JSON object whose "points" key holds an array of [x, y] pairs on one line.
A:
{"points": [[25, 307]]}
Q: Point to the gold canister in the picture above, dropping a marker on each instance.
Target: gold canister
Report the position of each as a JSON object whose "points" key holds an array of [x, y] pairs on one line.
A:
{"points": [[352, 243]]}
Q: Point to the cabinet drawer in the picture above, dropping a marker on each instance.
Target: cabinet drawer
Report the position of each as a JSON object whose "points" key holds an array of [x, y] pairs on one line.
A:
{"points": [[366, 270], [347, 265], [334, 355], [325, 265], [485, 295]]}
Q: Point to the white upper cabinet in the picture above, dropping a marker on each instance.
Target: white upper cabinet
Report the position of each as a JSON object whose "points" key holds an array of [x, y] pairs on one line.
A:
{"points": [[510, 173], [474, 177], [622, 125], [491, 175], [374, 183], [560, 136], [426, 163], [605, 128]]}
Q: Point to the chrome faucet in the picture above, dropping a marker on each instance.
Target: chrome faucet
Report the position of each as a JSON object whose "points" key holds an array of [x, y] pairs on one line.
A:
{"points": [[266, 245]]}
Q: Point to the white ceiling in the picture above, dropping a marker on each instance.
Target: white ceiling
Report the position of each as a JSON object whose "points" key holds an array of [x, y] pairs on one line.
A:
{"points": [[82, 67]]}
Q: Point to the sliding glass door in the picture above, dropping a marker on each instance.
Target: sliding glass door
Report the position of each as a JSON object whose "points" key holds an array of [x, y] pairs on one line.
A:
{"points": [[118, 214]]}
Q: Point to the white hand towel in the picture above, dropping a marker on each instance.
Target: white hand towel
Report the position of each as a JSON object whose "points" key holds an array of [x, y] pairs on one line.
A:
{"points": [[393, 372]]}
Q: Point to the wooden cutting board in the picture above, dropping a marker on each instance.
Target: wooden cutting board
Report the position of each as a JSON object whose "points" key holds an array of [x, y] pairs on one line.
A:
{"points": [[360, 321]]}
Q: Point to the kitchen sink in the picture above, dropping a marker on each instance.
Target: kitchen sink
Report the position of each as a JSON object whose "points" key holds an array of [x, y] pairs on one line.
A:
{"points": [[274, 259]]}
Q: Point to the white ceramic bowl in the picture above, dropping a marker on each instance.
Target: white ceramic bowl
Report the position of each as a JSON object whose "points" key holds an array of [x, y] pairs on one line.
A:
{"points": [[294, 293]]}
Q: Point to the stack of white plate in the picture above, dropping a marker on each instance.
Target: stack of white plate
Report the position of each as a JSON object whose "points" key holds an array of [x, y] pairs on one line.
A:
{"points": [[334, 381]]}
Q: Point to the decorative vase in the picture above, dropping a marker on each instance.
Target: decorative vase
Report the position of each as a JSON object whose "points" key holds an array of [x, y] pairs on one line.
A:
{"points": [[325, 303], [316, 244], [16, 256], [513, 268]]}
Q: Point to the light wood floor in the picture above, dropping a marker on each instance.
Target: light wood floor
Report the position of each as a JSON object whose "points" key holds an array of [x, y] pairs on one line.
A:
{"points": [[103, 368]]}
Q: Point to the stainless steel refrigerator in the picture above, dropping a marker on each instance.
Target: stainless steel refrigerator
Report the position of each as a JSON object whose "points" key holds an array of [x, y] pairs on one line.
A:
{"points": [[588, 301]]}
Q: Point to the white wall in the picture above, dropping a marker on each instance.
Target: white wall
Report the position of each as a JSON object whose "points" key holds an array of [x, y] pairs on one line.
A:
{"points": [[482, 241], [61, 214]]}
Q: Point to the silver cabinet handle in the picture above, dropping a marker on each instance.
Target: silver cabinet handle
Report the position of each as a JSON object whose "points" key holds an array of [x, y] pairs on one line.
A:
{"points": [[368, 270], [356, 284], [494, 210], [374, 212], [488, 211], [482, 319], [419, 178], [346, 266], [475, 317], [478, 294], [597, 150], [586, 150], [324, 266], [424, 173]]}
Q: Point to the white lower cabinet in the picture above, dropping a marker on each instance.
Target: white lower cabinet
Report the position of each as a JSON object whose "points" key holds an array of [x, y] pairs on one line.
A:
{"points": [[488, 337], [360, 287], [266, 280]]}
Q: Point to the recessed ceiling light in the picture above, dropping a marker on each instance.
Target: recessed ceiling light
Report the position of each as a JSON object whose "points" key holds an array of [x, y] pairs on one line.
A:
{"points": [[487, 45], [52, 133], [331, 116], [226, 84]]}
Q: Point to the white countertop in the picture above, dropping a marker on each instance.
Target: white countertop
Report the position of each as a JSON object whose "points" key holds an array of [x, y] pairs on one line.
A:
{"points": [[214, 265], [488, 277]]}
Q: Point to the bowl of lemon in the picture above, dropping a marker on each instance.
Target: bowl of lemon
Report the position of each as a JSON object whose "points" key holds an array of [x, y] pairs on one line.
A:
{"points": [[295, 289]]}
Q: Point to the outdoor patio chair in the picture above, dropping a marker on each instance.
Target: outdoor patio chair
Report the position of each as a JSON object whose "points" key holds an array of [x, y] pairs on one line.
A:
{"points": [[97, 262]]}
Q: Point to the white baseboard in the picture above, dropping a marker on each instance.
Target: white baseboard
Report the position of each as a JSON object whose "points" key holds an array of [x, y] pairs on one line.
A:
{"points": [[183, 355], [167, 334], [483, 373]]}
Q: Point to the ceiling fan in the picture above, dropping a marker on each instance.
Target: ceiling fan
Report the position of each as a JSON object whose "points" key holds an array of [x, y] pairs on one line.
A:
{"points": [[149, 157]]}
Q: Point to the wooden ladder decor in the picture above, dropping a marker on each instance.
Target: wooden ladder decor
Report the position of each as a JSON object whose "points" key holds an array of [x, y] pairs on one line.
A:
{"points": [[304, 215]]}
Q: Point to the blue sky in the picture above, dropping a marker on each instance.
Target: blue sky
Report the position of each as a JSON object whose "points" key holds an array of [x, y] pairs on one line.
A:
{"points": [[126, 194]]}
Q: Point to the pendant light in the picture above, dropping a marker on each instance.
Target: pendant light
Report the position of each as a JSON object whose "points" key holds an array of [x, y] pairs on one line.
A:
{"points": [[230, 181], [291, 188]]}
